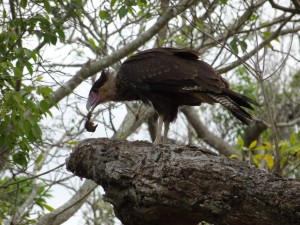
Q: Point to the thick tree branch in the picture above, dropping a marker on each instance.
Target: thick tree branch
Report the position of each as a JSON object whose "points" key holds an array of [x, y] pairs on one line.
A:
{"points": [[161, 185]]}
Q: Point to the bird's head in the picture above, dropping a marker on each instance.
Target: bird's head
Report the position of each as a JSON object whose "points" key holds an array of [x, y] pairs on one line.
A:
{"points": [[101, 91]]}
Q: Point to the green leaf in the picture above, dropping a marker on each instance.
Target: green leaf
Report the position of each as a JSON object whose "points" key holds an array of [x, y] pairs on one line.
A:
{"points": [[122, 12], [293, 138], [27, 128], [241, 141], [29, 67], [61, 34], [260, 148], [23, 3], [142, 3], [269, 45], [18, 72], [20, 158], [253, 144], [112, 3], [295, 149], [254, 17], [233, 44], [223, 1], [47, 6], [233, 156], [44, 105], [267, 33], [131, 10], [50, 38], [270, 161], [25, 146], [20, 126], [264, 23], [39, 78], [17, 98], [39, 158], [267, 145], [44, 91], [2, 139], [30, 54], [72, 142], [48, 207], [283, 146], [243, 45], [36, 132], [277, 39], [257, 159], [104, 15], [92, 42]]}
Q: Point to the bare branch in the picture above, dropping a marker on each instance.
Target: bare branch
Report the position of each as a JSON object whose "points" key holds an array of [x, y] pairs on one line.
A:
{"points": [[63, 213], [285, 9], [243, 59], [212, 41], [288, 124]]}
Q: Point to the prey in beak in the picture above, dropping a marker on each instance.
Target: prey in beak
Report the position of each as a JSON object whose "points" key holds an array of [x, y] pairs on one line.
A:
{"points": [[94, 100], [90, 106], [89, 125]]}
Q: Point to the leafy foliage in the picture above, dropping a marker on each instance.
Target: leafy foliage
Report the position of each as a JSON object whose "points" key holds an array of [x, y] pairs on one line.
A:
{"points": [[262, 154], [15, 194], [23, 103]]}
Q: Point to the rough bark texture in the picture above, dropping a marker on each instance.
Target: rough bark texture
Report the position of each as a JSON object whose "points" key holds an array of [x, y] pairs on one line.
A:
{"points": [[163, 185]]}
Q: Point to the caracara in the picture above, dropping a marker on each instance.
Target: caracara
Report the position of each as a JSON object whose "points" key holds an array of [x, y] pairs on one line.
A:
{"points": [[167, 78]]}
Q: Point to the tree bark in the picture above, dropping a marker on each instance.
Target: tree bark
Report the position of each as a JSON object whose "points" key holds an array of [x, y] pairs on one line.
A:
{"points": [[184, 185]]}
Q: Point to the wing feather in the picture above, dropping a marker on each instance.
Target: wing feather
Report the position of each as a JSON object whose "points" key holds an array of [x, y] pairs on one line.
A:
{"points": [[173, 69]]}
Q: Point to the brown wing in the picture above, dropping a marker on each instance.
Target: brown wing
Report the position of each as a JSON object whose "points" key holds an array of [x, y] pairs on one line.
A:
{"points": [[168, 69]]}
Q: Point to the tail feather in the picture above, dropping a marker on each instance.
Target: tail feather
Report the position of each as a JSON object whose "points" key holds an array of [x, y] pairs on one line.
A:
{"points": [[240, 99], [234, 103]]}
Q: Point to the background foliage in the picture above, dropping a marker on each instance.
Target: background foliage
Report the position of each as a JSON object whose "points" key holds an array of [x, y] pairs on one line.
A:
{"points": [[51, 51]]}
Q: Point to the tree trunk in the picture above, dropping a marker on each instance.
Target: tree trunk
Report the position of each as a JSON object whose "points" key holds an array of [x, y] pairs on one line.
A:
{"points": [[183, 185]]}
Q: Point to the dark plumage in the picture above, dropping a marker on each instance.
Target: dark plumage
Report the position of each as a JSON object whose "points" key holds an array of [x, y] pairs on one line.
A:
{"points": [[168, 78]]}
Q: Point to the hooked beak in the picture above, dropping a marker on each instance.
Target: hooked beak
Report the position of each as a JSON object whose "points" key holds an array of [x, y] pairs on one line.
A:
{"points": [[92, 101]]}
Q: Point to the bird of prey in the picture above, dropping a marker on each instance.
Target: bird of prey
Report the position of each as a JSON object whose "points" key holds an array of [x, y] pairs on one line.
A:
{"points": [[167, 78]]}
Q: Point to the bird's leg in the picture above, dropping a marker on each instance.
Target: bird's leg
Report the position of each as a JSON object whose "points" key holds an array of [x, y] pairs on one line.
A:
{"points": [[166, 130], [158, 131]]}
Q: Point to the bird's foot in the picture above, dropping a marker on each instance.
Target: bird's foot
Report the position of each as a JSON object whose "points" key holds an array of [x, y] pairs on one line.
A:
{"points": [[158, 140]]}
